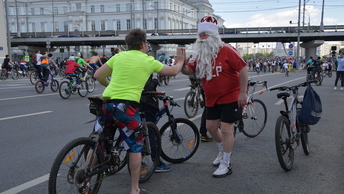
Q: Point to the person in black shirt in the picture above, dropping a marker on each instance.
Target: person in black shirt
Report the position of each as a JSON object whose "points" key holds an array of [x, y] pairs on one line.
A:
{"points": [[7, 64]]}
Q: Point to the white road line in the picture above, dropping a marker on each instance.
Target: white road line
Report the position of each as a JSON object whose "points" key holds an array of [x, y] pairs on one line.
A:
{"points": [[27, 185], [182, 89], [26, 115], [38, 95]]}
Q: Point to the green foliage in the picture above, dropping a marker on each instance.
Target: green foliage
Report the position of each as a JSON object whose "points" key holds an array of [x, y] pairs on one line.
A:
{"points": [[257, 55], [93, 52]]}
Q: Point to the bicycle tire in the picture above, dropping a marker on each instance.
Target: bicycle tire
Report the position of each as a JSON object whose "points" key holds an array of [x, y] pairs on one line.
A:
{"points": [[150, 161], [14, 74], [330, 74], [39, 86], [33, 77], [191, 104], [285, 152], [318, 79], [254, 118], [302, 128], [122, 153], [68, 172], [54, 85], [160, 79], [65, 90], [91, 83], [178, 152], [167, 80], [83, 90]]}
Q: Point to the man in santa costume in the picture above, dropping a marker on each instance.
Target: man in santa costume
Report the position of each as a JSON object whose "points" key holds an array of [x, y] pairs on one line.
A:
{"points": [[224, 79]]}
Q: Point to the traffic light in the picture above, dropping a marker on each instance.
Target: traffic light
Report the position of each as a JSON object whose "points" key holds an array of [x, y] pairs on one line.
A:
{"points": [[333, 53], [333, 48]]}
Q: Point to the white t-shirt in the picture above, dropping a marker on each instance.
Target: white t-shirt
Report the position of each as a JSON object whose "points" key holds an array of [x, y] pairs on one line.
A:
{"points": [[285, 65], [39, 58]]}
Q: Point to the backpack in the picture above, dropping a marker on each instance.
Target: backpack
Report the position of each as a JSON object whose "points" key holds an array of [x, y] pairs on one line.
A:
{"points": [[44, 60], [170, 61], [147, 101], [311, 107], [34, 59]]}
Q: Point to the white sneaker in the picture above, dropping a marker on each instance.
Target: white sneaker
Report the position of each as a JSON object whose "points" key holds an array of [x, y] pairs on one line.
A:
{"points": [[218, 159], [335, 88], [223, 170], [341, 88]]}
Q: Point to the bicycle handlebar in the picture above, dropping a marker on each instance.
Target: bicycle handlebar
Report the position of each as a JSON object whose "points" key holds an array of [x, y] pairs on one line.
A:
{"points": [[286, 88], [257, 83], [161, 96]]}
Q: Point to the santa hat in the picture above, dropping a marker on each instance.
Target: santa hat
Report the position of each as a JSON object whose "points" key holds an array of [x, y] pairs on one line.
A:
{"points": [[208, 24]]}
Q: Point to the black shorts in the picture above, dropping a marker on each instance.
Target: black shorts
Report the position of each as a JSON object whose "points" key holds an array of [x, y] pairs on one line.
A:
{"points": [[227, 113]]}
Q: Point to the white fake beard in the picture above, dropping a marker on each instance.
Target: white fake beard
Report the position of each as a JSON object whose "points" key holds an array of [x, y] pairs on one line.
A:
{"points": [[206, 51]]}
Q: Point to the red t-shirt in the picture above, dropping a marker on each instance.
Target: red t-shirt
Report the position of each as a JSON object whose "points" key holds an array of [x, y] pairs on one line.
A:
{"points": [[224, 87], [71, 67]]}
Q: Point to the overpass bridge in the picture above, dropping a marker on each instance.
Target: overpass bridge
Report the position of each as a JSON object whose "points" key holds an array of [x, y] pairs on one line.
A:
{"points": [[310, 37]]}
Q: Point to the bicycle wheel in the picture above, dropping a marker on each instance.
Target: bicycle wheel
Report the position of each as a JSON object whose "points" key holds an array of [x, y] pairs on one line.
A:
{"points": [[33, 77], [14, 74], [191, 104], [65, 90], [160, 79], [304, 130], [329, 74], [150, 158], [120, 151], [91, 84], [167, 80], [39, 86], [54, 85], [285, 152], [69, 173], [179, 141], [254, 118], [318, 78], [83, 90]]}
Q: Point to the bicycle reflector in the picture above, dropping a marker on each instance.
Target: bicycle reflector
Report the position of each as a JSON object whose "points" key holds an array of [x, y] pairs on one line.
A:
{"points": [[261, 92]]}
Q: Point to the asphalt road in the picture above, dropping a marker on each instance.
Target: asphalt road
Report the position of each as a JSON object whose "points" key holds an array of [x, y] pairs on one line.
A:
{"points": [[34, 127]]}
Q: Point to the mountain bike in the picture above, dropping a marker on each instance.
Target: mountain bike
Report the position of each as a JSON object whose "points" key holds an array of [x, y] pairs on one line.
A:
{"points": [[90, 80], [179, 136], [289, 130], [315, 77], [163, 78], [83, 163], [254, 113], [5, 74], [326, 72], [40, 85], [69, 87], [193, 99], [33, 76]]}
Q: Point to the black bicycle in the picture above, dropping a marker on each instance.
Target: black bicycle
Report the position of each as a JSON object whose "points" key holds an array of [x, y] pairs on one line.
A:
{"points": [[289, 129], [83, 163], [179, 136]]}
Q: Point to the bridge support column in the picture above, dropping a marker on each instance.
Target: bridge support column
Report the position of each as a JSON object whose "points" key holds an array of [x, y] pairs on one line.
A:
{"points": [[155, 48], [311, 48]]}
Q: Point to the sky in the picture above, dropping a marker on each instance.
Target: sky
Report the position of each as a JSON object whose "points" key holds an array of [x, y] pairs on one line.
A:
{"points": [[266, 13]]}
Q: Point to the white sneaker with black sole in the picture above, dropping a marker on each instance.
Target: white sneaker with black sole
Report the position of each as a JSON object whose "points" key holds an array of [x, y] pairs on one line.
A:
{"points": [[218, 159], [223, 170]]}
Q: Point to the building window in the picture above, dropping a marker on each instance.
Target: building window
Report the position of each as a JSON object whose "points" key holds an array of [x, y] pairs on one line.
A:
{"points": [[155, 23], [145, 5], [33, 27], [128, 24], [92, 9], [64, 10], [65, 26], [102, 9], [32, 11], [102, 25], [118, 8], [42, 26], [156, 5], [127, 7], [56, 11], [93, 25], [118, 24], [56, 25], [145, 23], [78, 6], [41, 11]]}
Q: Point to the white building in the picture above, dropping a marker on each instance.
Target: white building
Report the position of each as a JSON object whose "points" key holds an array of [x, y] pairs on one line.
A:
{"points": [[87, 16]]}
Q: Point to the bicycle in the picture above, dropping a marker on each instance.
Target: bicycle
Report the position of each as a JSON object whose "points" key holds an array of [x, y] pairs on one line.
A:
{"points": [[33, 76], [5, 74], [69, 87], [163, 78], [179, 136], [315, 76], [289, 129], [40, 85], [254, 113], [89, 79], [98, 156], [193, 99], [326, 72]]}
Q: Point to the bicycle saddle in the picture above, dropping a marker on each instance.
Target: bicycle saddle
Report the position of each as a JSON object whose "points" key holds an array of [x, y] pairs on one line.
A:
{"points": [[283, 94]]}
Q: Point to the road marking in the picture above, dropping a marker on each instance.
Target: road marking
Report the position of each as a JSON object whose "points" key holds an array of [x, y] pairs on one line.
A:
{"points": [[182, 89], [27, 185], [26, 115], [15, 98]]}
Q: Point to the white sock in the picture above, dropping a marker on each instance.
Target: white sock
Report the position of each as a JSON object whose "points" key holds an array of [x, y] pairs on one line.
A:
{"points": [[220, 146], [227, 157]]}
